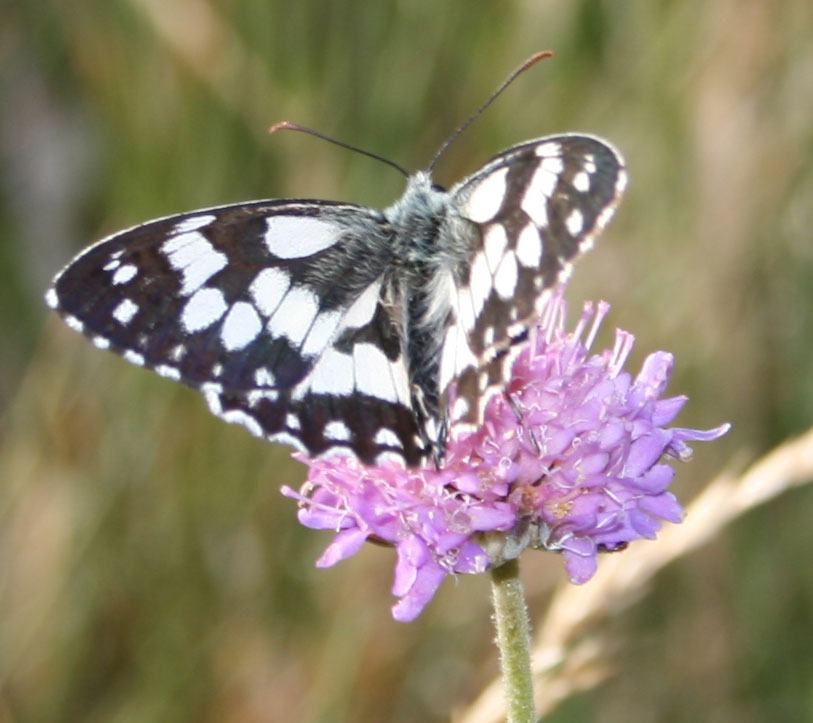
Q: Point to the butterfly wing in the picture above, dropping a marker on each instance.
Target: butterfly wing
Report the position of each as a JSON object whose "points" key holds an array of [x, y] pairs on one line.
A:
{"points": [[529, 212], [279, 311]]}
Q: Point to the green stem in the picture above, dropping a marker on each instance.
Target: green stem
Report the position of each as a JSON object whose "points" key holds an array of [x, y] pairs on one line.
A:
{"points": [[513, 641]]}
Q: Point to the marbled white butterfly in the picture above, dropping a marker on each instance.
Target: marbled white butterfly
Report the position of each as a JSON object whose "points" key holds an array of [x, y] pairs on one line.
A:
{"points": [[339, 328]]}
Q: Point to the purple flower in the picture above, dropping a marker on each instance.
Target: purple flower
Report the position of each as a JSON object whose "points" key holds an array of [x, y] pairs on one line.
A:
{"points": [[569, 459]]}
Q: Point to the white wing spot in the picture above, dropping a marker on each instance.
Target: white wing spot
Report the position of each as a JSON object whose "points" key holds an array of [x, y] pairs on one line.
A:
{"points": [[460, 408], [264, 377], [590, 163], [169, 372], [581, 181], [337, 431], [372, 374], [517, 330], [387, 438], [294, 316], [389, 457], [332, 374], [321, 332], [465, 308], [178, 353], [124, 274], [51, 298], [400, 381], [448, 364], [292, 237], [487, 197], [240, 327], [74, 323], [479, 283], [202, 310], [237, 416], [431, 428], [455, 356], [575, 222], [604, 217], [494, 243], [292, 421], [441, 292], [111, 265], [212, 399], [551, 148], [529, 247], [268, 288], [217, 370], [554, 166], [540, 188], [255, 397], [193, 224], [196, 259], [334, 452], [362, 310], [505, 280], [134, 357], [488, 336], [125, 312], [289, 439], [100, 342]]}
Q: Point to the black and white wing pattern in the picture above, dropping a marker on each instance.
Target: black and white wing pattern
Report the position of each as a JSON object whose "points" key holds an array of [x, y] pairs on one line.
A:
{"points": [[531, 211], [278, 311], [342, 329]]}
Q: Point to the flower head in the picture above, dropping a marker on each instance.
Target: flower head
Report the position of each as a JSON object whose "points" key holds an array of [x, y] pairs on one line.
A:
{"points": [[569, 458]]}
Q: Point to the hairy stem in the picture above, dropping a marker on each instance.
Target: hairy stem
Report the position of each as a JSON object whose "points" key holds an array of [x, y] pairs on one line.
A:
{"points": [[513, 641]]}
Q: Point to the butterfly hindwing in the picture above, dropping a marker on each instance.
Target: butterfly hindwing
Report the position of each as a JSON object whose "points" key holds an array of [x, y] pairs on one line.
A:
{"points": [[368, 427], [356, 399], [531, 210]]}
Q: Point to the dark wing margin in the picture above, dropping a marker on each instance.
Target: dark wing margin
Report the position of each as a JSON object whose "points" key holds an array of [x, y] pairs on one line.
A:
{"points": [[530, 212]]}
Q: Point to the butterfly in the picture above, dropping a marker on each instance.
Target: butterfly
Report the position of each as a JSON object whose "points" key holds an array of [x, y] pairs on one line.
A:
{"points": [[343, 329]]}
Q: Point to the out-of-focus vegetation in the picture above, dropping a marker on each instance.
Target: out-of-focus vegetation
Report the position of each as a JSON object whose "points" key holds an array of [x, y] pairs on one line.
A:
{"points": [[149, 568]]}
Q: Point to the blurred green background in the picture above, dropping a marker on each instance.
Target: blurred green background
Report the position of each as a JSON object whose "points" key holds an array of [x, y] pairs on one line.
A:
{"points": [[149, 568]]}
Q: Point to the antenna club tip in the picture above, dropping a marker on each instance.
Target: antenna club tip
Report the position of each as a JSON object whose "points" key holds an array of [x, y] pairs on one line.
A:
{"points": [[281, 126], [536, 57]]}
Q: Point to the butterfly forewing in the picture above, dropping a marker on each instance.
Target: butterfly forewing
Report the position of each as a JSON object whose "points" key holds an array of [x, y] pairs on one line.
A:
{"points": [[532, 210], [246, 296]]}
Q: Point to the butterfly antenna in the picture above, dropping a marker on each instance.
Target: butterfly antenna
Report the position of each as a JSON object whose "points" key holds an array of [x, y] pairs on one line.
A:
{"points": [[287, 126], [533, 60]]}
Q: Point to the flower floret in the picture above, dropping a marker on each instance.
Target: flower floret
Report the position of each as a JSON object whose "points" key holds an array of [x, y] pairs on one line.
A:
{"points": [[569, 458]]}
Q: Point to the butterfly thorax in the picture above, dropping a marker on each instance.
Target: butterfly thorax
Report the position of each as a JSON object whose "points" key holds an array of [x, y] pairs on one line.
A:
{"points": [[418, 219], [415, 219]]}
